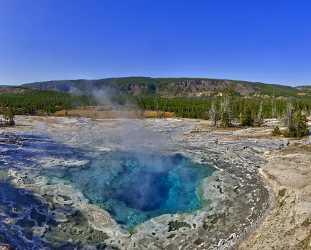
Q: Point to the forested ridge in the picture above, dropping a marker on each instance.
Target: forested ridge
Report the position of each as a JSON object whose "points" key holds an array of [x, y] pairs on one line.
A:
{"points": [[169, 87]]}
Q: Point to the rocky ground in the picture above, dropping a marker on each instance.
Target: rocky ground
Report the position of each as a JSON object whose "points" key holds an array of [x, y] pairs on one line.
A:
{"points": [[288, 226], [237, 197]]}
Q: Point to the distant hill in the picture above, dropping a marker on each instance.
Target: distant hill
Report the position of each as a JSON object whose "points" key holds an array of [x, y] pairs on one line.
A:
{"points": [[12, 89], [167, 87], [304, 87]]}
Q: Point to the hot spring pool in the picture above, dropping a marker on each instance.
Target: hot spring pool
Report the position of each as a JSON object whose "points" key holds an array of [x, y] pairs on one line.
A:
{"points": [[134, 187]]}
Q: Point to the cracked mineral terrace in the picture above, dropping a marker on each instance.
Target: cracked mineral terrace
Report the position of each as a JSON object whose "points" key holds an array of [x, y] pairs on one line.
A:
{"points": [[235, 196]]}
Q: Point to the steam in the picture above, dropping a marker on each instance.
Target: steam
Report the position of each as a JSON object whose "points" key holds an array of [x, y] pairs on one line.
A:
{"points": [[130, 134], [74, 91], [121, 134], [104, 97]]}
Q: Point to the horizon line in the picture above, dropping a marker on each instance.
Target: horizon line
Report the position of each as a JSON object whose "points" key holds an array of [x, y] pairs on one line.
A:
{"points": [[153, 77]]}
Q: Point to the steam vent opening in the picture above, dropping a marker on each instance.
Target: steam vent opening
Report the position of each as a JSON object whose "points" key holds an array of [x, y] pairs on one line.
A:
{"points": [[134, 187]]}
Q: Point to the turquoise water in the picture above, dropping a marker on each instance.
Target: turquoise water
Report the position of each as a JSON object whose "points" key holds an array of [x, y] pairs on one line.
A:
{"points": [[134, 187]]}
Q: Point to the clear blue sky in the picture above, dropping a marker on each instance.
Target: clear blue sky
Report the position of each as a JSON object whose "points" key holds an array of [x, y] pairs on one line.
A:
{"points": [[266, 40]]}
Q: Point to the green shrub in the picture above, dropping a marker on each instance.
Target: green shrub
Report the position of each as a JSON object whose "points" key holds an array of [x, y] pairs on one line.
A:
{"points": [[8, 117], [276, 131], [246, 118]]}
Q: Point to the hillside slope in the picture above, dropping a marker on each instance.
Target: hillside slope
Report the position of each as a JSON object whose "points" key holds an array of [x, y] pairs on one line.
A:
{"points": [[168, 87], [12, 89]]}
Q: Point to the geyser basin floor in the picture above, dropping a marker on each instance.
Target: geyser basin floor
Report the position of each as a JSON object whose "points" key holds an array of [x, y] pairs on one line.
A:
{"points": [[135, 187], [236, 195]]}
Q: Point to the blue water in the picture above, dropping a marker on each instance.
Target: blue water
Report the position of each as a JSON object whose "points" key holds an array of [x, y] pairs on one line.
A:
{"points": [[134, 187]]}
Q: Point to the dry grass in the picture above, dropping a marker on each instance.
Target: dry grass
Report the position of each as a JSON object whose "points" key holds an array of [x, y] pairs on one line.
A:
{"points": [[157, 114], [93, 112]]}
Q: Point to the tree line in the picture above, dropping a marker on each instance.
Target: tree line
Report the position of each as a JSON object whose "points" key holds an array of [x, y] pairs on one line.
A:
{"points": [[40, 102], [229, 110], [33, 102], [268, 107], [225, 110]]}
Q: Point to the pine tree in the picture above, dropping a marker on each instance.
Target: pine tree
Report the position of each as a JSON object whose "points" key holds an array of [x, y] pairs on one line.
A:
{"points": [[289, 115], [213, 114], [260, 119], [8, 116], [246, 118], [301, 125], [226, 114], [273, 107], [297, 125]]}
